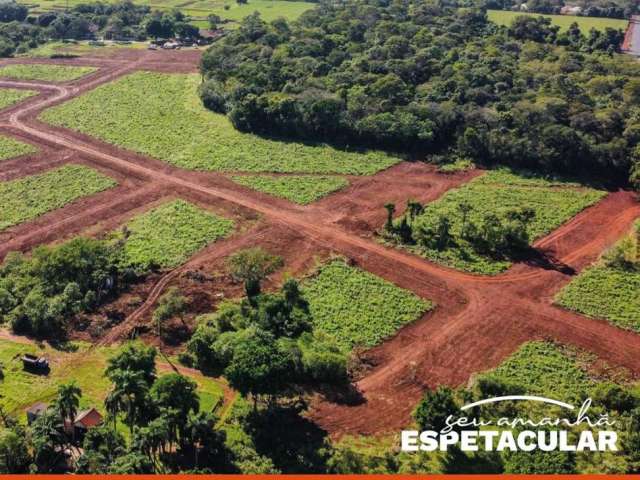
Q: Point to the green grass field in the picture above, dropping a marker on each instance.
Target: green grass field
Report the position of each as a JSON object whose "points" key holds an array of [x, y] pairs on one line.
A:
{"points": [[605, 292], [29, 197], [269, 10], [298, 189], [85, 366], [161, 115], [503, 17], [10, 148], [11, 96], [197, 10], [357, 307], [169, 234], [53, 49], [497, 192], [47, 73]]}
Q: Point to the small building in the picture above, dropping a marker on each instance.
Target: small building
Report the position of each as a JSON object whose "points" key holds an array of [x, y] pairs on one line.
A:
{"points": [[35, 410], [85, 420]]}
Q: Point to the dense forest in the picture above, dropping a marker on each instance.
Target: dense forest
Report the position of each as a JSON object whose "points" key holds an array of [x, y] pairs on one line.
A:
{"points": [[20, 31], [434, 82]]}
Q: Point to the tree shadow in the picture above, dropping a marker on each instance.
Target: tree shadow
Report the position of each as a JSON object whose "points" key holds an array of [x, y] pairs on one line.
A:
{"points": [[545, 260], [293, 442], [347, 394]]}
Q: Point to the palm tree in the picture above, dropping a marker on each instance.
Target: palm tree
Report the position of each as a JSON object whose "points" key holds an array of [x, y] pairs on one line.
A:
{"points": [[67, 403], [128, 396]]}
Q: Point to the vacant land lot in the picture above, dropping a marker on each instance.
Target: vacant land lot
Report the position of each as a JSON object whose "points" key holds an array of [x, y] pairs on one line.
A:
{"points": [[29, 197], [168, 235], [47, 73], [606, 292], [11, 96], [83, 364], [299, 189], [498, 192], [358, 308], [502, 17], [10, 148], [543, 368], [162, 116]]}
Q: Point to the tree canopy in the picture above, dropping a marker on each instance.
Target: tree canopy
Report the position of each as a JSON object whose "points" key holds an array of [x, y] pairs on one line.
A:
{"points": [[428, 79]]}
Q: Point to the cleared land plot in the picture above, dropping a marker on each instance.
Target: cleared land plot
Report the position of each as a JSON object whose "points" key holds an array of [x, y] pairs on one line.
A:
{"points": [[169, 234], [10, 148], [357, 307], [502, 17], [161, 115], [497, 192], [605, 292], [85, 366], [298, 189], [47, 73], [29, 197], [11, 96]]}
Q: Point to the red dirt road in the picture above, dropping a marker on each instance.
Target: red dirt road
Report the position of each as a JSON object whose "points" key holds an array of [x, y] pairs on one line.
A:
{"points": [[478, 320]]}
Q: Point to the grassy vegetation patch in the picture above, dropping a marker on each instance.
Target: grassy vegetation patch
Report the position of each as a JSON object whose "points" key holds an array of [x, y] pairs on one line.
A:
{"points": [[502, 17], [48, 73], [357, 307], [299, 189], [10, 148], [498, 192], [604, 292], [58, 49], [81, 364], [608, 291], [542, 368], [161, 115], [230, 10], [168, 235], [11, 96], [29, 197]]}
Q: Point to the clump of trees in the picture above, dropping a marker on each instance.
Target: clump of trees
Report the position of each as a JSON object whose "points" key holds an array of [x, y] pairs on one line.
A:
{"points": [[497, 236], [626, 254], [426, 78], [265, 345], [40, 292]]}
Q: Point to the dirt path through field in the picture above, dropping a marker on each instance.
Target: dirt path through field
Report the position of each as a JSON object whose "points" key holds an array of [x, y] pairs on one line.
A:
{"points": [[478, 321]]}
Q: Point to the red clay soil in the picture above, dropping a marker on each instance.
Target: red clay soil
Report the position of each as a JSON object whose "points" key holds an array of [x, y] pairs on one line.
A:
{"points": [[478, 320]]}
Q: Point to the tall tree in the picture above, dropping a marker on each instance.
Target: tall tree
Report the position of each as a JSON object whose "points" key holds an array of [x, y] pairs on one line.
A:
{"points": [[252, 266]]}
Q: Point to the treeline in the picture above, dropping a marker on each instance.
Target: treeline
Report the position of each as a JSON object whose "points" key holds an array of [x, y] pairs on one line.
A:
{"points": [[588, 8], [20, 31], [424, 78]]}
